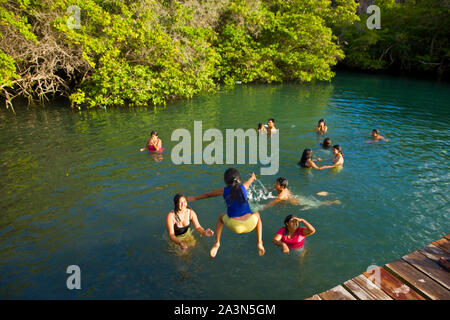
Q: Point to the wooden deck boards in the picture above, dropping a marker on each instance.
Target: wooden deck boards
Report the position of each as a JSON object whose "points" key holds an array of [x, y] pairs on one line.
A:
{"points": [[443, 243], [429, 267], [395, 288], [419, 280], [337, 293], [364, 289], [416, 276], [314, 297]]}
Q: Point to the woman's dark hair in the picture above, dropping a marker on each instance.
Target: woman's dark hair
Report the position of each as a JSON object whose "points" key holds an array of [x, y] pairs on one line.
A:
{"points": [[338, 148], [307, 155], [154, 133], [286, 221], [375, 130], [283, 182], [271, 119], [233, 178], [326, 144], [260, 125], [321, 120]]}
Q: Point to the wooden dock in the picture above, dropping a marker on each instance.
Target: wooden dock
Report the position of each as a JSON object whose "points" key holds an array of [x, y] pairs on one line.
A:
{"points": [[416, 276]]}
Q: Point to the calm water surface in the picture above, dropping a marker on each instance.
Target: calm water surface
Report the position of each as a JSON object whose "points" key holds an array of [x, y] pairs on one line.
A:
{"points": [[76, 190]]}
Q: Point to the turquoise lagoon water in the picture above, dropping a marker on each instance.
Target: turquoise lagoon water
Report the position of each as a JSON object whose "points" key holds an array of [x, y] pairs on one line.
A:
{"points": [[75, 190]]}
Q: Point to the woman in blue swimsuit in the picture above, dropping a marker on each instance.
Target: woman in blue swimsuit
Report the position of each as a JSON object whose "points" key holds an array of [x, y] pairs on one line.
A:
{"points": [[239, 218]]}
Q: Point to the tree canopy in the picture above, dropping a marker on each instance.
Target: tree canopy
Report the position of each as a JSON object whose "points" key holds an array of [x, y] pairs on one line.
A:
{"points": [[136, 52]]}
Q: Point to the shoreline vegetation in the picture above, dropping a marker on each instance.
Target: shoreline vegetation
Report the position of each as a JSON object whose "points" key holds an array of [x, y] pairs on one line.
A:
{"points": [[139, 52]]}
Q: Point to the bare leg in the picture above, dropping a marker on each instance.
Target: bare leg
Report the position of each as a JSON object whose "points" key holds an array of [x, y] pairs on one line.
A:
{"points": [[302, 255], [261, 249], [219, 228], [328, 203]]}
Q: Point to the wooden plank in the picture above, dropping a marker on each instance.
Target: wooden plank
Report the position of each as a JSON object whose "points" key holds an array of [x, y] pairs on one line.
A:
{"points": [[429, 267], [314, 297], [418, 280], [371, 288], [337, 293], [391, 285], [434, 253], [357, 291], [443, 243], [364, 289]]}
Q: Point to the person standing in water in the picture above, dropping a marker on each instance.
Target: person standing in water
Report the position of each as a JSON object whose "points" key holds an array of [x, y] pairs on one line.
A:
{"points": [[321, 127], [239, 218], [281, 187], [261, 128], [271, 127], [178, 222], [292, 236], [338, 159], [377, 137], [154, 144], [326, 144]]}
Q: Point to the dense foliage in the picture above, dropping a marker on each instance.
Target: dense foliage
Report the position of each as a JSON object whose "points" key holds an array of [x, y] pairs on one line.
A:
{"points": [[414, 38], [136, 52], [132, 52]]}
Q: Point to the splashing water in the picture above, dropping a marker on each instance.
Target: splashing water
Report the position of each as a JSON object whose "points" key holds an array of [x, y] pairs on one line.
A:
{"points": [[258, 192]]}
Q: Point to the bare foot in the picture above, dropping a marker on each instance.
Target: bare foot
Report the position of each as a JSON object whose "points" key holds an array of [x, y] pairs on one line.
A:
{"points": [[214, 249], [261, 249], [328, 203], [322, 193]]}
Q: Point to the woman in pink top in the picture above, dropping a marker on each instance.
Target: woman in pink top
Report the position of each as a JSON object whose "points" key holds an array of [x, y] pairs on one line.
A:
{"points": [[292, 235], [154, 144]]}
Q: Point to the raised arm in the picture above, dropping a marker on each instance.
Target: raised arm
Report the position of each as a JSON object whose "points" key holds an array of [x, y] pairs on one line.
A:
{"points": [[214, 193], [250, 181], [158, 144], [309, 228]]}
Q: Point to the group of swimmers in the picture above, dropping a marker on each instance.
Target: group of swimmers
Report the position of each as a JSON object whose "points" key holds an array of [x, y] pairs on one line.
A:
{"points": [[307, 160], [271, 130], [239, 217]]}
